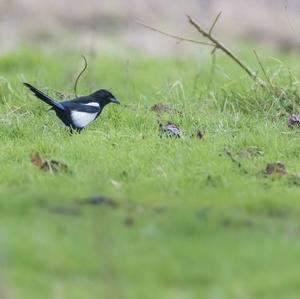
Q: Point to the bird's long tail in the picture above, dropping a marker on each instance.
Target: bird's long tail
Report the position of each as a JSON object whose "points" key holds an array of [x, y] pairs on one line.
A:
{"points": [[45, 98]]}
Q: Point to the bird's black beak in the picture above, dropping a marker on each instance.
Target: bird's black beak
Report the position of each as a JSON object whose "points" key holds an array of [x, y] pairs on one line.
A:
{"points": [[115, 101]]}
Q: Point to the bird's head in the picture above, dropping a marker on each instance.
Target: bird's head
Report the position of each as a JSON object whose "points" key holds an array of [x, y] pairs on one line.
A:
{"points": [[105, 97]]}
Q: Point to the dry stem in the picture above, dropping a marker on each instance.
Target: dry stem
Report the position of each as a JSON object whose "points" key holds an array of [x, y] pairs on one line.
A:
{"points": [[262, 68], [80, 74]]}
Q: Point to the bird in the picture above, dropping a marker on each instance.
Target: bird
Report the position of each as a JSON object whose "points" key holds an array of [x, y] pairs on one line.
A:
{"points": [[77, 113]]}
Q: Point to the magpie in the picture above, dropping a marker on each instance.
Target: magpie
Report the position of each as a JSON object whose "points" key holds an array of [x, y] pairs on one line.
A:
{"points": [[77, 113]]}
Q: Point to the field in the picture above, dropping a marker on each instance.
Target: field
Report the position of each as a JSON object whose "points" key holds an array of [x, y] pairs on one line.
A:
{"points": [[181, 218]]}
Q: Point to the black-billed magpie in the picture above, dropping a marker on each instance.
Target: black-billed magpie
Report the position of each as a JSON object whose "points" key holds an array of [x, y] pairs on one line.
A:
{"points": [[79, 112]]}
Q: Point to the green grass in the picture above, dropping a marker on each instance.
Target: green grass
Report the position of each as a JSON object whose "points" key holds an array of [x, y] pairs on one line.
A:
{"points": [[190, 223]]}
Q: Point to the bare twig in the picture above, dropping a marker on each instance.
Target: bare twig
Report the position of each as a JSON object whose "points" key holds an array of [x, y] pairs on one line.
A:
{"points": [[228, 52], [179, 38], [80, 74], [214, 23], [262, 68]]}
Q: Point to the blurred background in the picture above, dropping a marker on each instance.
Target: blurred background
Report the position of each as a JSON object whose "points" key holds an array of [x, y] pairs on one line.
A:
{"points": [[112, 24]]}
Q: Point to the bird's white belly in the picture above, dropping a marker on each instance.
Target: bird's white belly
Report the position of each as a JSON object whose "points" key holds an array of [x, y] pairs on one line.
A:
{"points": [[82, 119]]}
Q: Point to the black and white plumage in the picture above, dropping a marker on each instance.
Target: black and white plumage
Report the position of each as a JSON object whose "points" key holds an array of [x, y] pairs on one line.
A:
{"points": [[79, 112]]}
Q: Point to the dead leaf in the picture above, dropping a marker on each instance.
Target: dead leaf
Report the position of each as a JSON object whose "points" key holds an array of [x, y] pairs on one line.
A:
{"points": [[52, 166], [275, 168], [37, 160], [171, 130], [294, 121], [199, 134]]}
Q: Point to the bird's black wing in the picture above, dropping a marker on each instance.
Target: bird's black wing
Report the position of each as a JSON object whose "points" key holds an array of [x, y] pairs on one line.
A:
{"points": [[45, 98], [82, 100], [71, 105]]}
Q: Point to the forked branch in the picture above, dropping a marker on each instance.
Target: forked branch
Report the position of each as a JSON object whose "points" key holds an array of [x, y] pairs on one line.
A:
{"points": [[215, 43], [222, 47]]}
